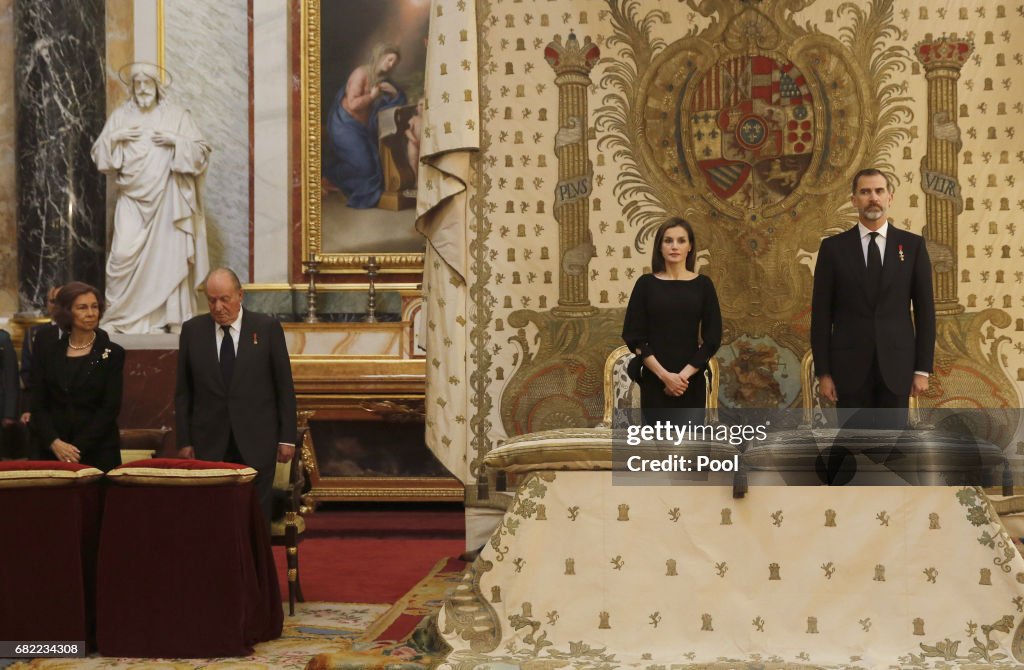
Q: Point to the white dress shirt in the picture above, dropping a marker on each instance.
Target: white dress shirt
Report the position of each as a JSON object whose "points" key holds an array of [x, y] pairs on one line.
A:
{"points": [[865, 239], [236, 333]]}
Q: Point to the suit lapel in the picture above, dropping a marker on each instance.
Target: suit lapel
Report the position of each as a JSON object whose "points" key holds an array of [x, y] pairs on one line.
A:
{"points": [[60, 363], [207, 345], [86, 367], [854, 255], [889, 264], [245, 341]]}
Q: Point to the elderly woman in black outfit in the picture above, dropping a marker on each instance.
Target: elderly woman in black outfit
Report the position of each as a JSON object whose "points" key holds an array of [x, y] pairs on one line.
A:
{"points": [[673, 323], [76, 384]]}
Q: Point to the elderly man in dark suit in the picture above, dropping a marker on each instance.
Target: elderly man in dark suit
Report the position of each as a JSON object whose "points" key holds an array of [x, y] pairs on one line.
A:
{"points": [[234, 400], [870, 349]]}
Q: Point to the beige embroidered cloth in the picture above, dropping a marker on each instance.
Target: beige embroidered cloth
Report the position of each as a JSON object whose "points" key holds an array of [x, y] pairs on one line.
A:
{"points": [[585, 574]]}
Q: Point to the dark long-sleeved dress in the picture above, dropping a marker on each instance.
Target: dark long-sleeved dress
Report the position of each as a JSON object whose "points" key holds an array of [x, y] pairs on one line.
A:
{"points": [[680, 323], [78, 399]]}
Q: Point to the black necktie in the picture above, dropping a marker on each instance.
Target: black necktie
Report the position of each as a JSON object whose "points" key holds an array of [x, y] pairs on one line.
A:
{"points": [[874, 270], [227, 355]]}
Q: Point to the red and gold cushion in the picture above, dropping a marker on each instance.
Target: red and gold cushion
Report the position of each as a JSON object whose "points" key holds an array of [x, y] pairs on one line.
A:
{"points": [[25, 474], [181, 472]]}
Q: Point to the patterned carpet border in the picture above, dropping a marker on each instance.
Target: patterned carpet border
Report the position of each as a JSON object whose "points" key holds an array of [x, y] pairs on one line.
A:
{"points": [[316, 628], [404, 637]]}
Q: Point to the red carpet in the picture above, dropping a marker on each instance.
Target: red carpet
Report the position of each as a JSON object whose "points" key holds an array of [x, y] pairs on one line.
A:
{"points": [[366, 556]]}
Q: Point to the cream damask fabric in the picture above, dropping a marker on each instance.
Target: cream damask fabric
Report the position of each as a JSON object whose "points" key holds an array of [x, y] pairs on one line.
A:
{"points": [[450, 135], [584, 574], [580, 111]]}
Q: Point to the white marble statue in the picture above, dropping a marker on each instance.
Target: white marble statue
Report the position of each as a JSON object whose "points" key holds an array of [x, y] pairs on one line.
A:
{"points": [[158, 255]]}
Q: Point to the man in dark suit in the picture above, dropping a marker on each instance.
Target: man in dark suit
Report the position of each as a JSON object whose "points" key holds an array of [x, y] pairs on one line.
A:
{"points": [[234, 400], [36, 337], [870, 350]]}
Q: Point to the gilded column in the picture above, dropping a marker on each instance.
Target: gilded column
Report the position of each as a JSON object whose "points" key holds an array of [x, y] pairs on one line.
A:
{"points": [[60, 100], [942, 58], [572, 64]]}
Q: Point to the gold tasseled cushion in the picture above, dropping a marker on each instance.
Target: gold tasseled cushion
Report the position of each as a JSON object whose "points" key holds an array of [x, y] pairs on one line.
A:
{"points": [[27, 474], [181, 472], [584, 449], [560, 449]]}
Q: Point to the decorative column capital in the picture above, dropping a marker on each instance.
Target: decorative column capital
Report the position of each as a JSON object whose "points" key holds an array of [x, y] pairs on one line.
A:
{"points": [[572, 57], [943, 52]]}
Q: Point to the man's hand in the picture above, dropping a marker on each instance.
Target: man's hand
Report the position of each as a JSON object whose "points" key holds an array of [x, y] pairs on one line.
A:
{"points": [[186, 452], [26, 417], [920, 385], [65, 451], [827, 388], [285, 452]]}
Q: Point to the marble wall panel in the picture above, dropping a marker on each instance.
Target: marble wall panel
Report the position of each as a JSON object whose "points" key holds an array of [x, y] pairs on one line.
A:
{"points": [[206, 51], [60, 100], [359, 339], [8, 198], [149, 376], [270, 141]]}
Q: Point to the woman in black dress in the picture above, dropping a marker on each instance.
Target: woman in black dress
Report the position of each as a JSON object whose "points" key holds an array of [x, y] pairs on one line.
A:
{"points": [[76, 385], [673, 323]]}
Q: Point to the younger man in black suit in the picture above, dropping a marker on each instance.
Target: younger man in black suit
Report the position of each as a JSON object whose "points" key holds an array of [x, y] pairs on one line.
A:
{"points": [[870, 350], [234, 400]]}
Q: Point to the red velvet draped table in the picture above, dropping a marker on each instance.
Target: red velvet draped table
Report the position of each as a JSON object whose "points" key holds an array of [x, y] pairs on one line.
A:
{"points": [[185, 571], [49, 526]]}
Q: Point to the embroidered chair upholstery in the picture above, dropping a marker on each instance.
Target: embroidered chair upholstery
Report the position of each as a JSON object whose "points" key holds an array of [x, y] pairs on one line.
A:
{"points": [[921, 455], [815, 407], [622, 393], [591, 448]]}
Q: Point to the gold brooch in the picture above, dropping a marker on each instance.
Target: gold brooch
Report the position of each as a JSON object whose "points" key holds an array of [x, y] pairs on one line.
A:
{"points": [[106, 354]]}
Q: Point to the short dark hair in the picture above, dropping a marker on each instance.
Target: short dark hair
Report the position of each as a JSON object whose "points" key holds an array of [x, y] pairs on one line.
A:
{"points": [[657, 259], [66, 298], [870, 172]]}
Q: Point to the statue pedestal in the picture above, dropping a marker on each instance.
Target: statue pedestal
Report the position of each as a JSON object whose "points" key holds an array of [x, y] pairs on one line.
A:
{"points": [[150, 369]]}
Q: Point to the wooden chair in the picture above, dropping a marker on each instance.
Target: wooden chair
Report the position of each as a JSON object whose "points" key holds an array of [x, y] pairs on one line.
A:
{"points": [[919, 454], [286, 522], [622, 393]]}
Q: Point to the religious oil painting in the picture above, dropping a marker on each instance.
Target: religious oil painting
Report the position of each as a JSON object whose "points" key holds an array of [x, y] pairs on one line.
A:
{"points": [[362, 66]]}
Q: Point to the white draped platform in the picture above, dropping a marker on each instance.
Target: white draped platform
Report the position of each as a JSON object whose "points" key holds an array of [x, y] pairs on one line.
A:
{"points": [[586, 574]]}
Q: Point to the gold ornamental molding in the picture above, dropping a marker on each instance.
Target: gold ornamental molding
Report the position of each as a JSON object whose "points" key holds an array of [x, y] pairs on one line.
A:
{"points": [[404, 289], [311, 153]]}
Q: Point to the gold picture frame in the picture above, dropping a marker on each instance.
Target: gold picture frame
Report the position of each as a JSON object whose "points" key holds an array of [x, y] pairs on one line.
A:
{"points": [[311, 162]]}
